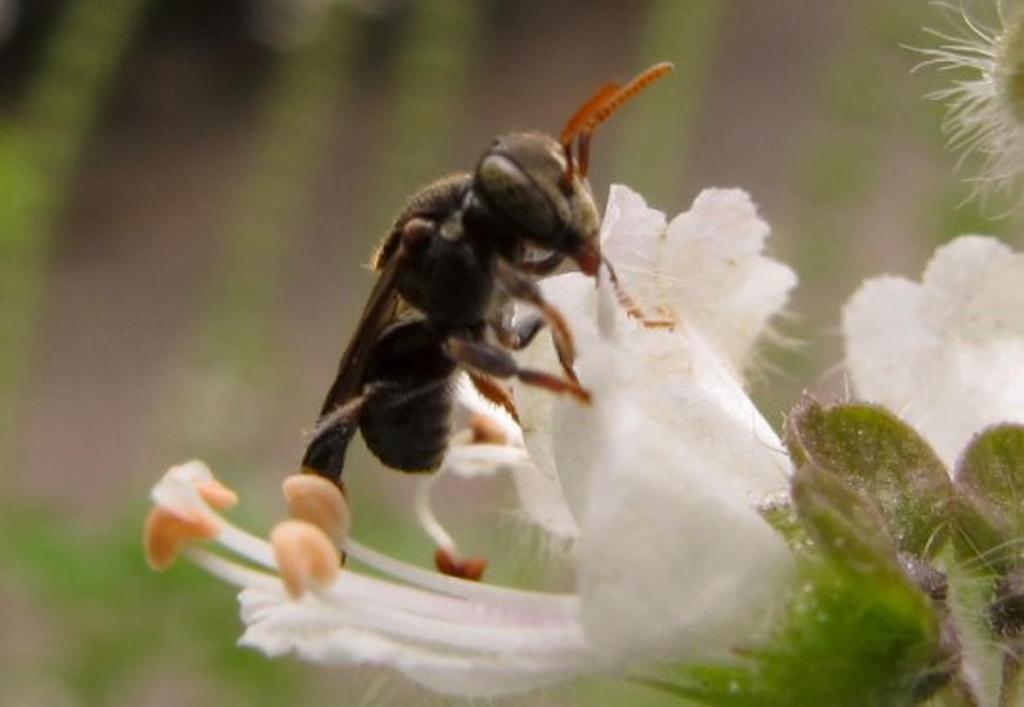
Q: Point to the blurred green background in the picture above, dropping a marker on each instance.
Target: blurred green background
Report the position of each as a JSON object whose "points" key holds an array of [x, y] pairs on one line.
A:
{"points": [[189, 190]]}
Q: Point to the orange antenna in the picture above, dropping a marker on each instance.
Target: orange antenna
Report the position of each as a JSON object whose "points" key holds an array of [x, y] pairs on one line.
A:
{"points": [[587, 110], [602, 106], [580, 118], [628, 92]]}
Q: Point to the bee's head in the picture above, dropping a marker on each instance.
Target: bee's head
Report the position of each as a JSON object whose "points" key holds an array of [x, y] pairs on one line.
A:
{"points": [[537, 184], [526, 180]]}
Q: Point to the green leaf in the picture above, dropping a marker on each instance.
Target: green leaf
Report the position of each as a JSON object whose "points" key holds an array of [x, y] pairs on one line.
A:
{"points": [[883, 458], [991, 474]]}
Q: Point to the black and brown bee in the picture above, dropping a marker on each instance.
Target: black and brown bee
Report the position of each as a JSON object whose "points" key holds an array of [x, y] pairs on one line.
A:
{"points": [[459, 255]]}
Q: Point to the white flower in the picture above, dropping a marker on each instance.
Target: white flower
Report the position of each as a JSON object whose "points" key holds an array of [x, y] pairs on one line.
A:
{"points": [[946, 353], [985, 115], [655, 485], [705, 269]]}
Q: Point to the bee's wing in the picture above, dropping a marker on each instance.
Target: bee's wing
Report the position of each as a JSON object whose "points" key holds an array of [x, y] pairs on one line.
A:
{"points": [[381, 309], [431, 203]]}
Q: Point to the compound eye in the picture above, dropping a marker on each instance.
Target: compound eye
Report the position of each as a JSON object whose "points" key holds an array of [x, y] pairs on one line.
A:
{"points": [[517, 196]]}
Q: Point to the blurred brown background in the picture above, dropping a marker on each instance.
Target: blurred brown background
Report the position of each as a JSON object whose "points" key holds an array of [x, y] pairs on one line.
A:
{"points": [[189, 190]]}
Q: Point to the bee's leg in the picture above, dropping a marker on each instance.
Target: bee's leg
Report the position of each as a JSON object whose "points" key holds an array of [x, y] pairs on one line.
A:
{"points": [[626, 301], [494, 361], [325, 458], [522, 288], [495, 392], [545, 266], [325, 453], [519, 335]]}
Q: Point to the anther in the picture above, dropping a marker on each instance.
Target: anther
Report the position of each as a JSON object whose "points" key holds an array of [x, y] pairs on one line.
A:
{"points": [[486, 430], [165, 532], [318, 501], [306, 558], [471, 568], [217, 494]]}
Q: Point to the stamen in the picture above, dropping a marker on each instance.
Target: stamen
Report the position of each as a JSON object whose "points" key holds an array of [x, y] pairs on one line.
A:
{"points": [[428, 521], [492, 604], [412, 614], [316, 500], [252, 548], [306, 558], [446, 558], [166, 532], [471, 568], [258, 550], [455, 587], [454, 624], [217, 494], [231, 571]]}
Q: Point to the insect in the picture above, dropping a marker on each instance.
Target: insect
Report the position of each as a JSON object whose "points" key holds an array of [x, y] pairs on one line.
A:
{"points": [[456, 258]]}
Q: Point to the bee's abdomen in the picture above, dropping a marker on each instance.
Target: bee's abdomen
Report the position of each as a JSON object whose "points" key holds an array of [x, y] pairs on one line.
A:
{"points": [[407, 428]]}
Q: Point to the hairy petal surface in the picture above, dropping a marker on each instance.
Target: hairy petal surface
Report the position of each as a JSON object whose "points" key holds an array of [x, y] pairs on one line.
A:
{"points": [[664, 472], [944, 353], [707, 266], [309, 629]]}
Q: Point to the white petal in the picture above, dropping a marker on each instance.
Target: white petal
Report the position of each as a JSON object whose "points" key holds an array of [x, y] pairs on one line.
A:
{"points": [[468, 460], [482, 460], [883, 324], [541, 497], [974, 291], [673, 562], [662, 473], [945, 354], [706, 266], [631, 234], [539, 488], [715, 275], [688, 392]]}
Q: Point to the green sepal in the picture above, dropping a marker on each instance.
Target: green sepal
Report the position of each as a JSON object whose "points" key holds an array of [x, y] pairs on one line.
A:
{"points": [[979, 542], [879, 455], [781, 515], [844, 524], [847, 639], [992, 467], [990, 514], [857, 629]]}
